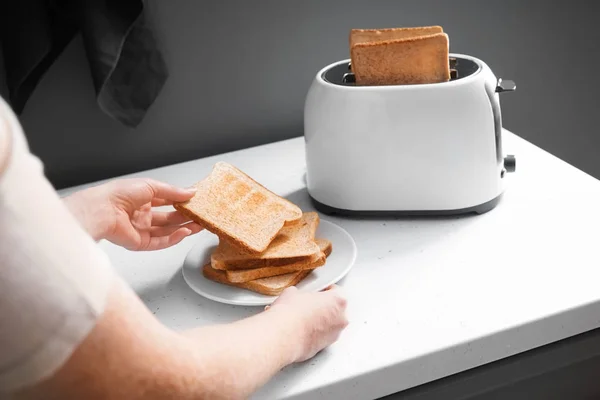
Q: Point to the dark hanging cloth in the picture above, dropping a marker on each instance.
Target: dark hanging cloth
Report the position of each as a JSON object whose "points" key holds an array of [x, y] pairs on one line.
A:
{"points": [[125, 63]]}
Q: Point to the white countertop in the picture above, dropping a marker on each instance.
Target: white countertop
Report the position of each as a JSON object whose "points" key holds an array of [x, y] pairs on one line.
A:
{"points": [[427, 298]]}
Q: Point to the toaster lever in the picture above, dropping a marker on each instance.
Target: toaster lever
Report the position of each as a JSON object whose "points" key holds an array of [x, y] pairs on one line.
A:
{"points": [[505, 86]]}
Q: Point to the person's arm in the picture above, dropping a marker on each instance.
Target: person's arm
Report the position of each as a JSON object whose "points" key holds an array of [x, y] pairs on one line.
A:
{"points": [[71, 329], [295, 328], [5, 141], [130, 355]]}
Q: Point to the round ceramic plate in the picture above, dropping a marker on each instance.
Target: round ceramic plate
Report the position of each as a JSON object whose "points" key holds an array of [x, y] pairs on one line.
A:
{"points": [[337, 266]]}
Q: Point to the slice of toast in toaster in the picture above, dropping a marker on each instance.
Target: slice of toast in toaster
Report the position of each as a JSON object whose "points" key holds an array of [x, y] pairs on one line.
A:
{"points": [[238, 209], [245, 275], [271, 286], [294, 243], [379, 35], [413, 60]]}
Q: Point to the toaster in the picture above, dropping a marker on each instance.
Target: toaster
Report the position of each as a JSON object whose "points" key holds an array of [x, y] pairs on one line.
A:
{"points": [[420, 149]]}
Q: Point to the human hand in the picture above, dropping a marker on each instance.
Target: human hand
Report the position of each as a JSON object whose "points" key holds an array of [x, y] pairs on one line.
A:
{"points": [[121, 211], [322, 317]]}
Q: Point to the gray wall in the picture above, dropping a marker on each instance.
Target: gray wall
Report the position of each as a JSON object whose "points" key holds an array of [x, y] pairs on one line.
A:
{"points": [[240, 71]]}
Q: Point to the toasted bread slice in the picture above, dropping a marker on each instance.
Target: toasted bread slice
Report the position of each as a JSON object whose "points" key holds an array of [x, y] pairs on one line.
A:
{"points": [[378, 35], [245, 275], [293, 244], [271, 286], [238, 209], [414, 60], [325, 246]]}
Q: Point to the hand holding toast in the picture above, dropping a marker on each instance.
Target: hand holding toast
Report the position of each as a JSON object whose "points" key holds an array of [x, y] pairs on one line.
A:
{"points": [[121, 211]]}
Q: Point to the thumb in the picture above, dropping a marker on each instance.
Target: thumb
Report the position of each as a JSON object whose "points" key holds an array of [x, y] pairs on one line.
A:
{"points": [[169, 192], [287, 293]]}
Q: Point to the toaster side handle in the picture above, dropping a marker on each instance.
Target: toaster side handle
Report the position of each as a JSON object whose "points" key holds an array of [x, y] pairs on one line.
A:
{"points": [[492, 91]]}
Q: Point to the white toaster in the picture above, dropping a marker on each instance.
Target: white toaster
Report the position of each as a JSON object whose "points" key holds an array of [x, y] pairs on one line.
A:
{"points": [[406, 149]]}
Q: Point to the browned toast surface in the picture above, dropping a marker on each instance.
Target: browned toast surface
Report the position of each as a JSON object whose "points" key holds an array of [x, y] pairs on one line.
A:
{"points": [[245, 275], [271, 286], [412, 60], [293, 244], [238, 209]]}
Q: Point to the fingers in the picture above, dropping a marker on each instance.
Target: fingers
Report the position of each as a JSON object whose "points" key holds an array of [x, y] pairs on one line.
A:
{"points": [[138, 191], [161, 231], [163, 242], [167, 236], [169, 193], [161, 202], [336, 293], [168, 218]]}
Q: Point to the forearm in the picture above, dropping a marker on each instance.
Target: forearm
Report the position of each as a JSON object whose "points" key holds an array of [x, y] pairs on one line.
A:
{"points": [[130, 355], [92, 217], [244, 355], [5, 146]]}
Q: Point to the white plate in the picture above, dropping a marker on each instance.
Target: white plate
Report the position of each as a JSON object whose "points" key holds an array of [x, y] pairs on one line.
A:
{"points": [[338, 265]]}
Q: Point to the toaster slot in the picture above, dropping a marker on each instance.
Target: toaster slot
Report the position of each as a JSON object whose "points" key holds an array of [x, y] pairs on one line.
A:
{"points": [[453, 62], [341, 73], [349, 78]]}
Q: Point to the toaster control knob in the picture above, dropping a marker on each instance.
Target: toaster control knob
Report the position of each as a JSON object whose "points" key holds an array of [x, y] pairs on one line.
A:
{"points": [[510, 163], [505, 86]]}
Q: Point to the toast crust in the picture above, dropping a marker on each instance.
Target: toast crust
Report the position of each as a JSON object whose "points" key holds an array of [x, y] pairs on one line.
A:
{"points": [[325, 246], [271, 286], [377, 35], [245, 275], [233, 206], [241, 265], [293, 244], [250, 274], [411, 60]]}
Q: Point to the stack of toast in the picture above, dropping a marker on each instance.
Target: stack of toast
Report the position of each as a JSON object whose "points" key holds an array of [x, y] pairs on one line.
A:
{"points": [[266, 243], [399, 56]]}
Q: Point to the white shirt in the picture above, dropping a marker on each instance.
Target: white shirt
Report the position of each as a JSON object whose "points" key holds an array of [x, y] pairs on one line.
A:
{"points": [[54, 279]]}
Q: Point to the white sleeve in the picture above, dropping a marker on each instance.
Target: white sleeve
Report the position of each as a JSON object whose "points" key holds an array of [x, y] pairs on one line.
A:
{"points": [[54, 279]]}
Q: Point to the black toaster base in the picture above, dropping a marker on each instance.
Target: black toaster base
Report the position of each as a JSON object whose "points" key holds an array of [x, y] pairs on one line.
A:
{"points": [[478, 209]]}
